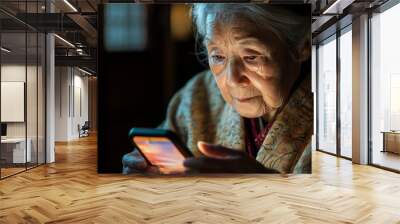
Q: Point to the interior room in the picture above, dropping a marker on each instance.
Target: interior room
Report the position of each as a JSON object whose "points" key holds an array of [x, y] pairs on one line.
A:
{"points": [[23, 95], [50, 129]]}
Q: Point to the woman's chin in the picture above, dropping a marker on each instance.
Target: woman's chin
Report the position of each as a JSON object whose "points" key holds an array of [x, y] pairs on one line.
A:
{"points": [[252, 108], [252, 112]]}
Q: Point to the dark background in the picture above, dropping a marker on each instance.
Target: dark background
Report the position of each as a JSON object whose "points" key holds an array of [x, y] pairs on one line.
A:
{"points": [[136, 86]]}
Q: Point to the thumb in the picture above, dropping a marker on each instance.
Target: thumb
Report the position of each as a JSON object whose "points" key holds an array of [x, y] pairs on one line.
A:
{"points": [[217, 151]]}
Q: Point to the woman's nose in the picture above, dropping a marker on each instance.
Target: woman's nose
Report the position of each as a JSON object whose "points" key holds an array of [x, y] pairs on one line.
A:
{"points": [[235, 74]]}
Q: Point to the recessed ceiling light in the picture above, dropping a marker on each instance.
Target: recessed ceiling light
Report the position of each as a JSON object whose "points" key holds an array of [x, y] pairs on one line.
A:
{"points": [[5, 50], [70, 5], [84, 71], [337, 7], [65, 41]]}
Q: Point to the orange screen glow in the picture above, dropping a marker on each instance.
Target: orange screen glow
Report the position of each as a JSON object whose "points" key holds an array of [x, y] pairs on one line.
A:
{"points": [[161, 152]]}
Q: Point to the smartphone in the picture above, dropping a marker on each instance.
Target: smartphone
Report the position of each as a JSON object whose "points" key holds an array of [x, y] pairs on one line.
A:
{"points": [[161, 148]]}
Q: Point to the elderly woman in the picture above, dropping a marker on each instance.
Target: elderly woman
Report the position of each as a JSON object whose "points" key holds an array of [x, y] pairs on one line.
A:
{"points": [[252, 112]]}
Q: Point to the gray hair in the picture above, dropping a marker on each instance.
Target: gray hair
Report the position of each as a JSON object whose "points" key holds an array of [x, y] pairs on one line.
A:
{"points": [[288, 26]]}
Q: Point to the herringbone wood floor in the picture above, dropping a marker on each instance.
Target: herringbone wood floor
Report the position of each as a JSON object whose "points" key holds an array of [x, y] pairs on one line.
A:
{"points": [[70, 191]]}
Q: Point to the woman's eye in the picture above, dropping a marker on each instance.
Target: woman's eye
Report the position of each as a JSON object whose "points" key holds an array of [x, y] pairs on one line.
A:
{"points": [[217, 59], [250, 58]]}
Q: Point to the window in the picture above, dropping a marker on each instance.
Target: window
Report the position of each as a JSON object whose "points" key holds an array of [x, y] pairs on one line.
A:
{"points": [[327, 95], [125, 27], [385, 89], [345, 92]]}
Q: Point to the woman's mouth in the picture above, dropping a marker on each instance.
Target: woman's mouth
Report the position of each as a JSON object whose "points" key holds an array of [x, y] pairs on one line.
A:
{"points": [[244, 99]]}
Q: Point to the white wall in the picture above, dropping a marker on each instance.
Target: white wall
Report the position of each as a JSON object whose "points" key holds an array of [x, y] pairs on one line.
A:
{"points": [[71, 102], [61, 103], [80, 103], [12, 73]]}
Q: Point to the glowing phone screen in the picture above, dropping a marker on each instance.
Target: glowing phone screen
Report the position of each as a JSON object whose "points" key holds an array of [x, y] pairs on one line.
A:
{"points": [[161, 152]]}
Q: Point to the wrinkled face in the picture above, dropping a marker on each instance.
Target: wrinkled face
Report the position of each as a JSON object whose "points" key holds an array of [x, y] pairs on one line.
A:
{"points": [[252, 70]]}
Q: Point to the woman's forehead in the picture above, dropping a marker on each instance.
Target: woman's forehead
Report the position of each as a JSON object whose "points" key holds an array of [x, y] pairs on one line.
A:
{"points": [[241, 30], [236, 31], [243, 36], [239, 25]]}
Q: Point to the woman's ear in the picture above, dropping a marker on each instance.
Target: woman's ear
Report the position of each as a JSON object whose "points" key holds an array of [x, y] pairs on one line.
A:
{"points": [[304, 50]]}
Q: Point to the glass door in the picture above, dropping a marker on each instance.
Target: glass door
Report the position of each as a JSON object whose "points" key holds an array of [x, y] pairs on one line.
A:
{"points": [[22, 77], [14, 153]]}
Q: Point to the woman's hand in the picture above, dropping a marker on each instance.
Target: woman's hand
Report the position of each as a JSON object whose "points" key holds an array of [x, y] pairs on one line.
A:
{"points": [[134, 162], [218, 159]]}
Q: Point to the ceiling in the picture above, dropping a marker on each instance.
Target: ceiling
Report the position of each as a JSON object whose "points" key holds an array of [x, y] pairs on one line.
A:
{"points": [[76, 22], [72, 20]]}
